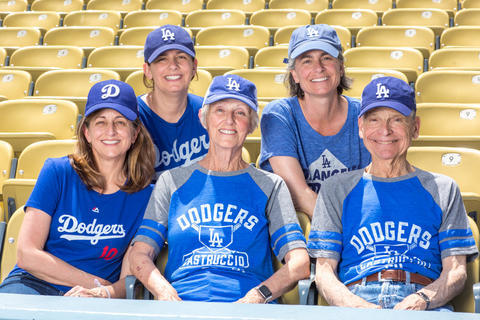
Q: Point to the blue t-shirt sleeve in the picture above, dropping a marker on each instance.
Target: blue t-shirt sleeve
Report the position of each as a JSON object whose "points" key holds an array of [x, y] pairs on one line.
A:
{"points": [[45, 194]]}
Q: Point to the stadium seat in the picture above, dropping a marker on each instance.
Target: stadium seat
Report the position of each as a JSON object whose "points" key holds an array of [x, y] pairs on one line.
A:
{"points": [[93, 18], [277, 18], [14, 84], [71, 84], [121, 6], [282, 36], [38, 59], [362, 76], [25, 121], [257, 133], [246, 6], [60, 6], [152, 18], [462, 36], [269, 82], [15, 194], [122, 59], [9, 251], [136, 36], [379, 6], [271, 57], [467, 17], [406, 60], [3, 56], [42, 20], [13, 38], [313, 6], [421, 38], [250, 37], [448, 86], [219, 59], [353, 19], [467, 4], [198, 86], [180, 5], [86, 37], [455, 58], [435, 19], [6, 158], [13, 6], [198, 19], [449, 6]]}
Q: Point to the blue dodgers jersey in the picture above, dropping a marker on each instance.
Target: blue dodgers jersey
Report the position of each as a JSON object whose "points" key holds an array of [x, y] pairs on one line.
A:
{"points": [[89, 230], [320, 156], [176, 144], [392, 224]]}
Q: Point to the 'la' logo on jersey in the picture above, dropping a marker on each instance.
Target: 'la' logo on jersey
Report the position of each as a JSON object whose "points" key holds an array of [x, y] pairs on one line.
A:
{"points": [[167, 35], [312, 32], [233, 85], [325, 162], [215, 237], [110, 90], [382, 91]]}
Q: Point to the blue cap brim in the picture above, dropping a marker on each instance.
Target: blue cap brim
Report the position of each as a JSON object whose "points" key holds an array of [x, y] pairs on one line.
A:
{"points": [[164, 48], [400, 107], [219, 97], [314, 45], [125, 111]]}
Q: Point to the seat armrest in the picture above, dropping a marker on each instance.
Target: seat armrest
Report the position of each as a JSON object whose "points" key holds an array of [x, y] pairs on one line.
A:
{"points": [[306, 288], [476, 295]]}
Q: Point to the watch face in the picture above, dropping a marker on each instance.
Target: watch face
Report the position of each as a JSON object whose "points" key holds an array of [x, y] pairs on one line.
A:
{"points": [[266, 293]]}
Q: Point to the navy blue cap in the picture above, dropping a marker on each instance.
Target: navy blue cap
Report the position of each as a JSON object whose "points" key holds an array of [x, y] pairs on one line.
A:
{"points": [[232, 86], [314, 37], [165, 38], [112, 94], [388, 92]]}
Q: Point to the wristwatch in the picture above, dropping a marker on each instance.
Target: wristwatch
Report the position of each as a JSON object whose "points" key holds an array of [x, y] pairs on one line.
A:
{"points": [[264, 292]]}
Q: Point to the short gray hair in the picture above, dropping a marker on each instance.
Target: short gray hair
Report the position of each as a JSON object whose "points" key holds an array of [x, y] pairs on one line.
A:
{"points": [[253, 116]]}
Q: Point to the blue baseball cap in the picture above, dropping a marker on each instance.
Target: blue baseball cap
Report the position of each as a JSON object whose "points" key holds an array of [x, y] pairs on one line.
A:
{"points": [[232, 86], [314, 37], [113, 94], [165, 38], [388, 92]]}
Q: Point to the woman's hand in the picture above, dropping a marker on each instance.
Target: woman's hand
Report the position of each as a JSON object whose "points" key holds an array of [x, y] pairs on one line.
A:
{"points": [[79, 291], [252, 296]]}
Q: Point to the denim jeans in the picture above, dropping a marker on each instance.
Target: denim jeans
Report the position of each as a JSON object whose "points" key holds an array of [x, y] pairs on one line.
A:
{"points": [[388, 293], [25, 283]]}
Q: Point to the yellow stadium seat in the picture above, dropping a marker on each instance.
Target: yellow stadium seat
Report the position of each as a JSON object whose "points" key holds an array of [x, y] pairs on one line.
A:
{"points": [[455, 58], [467, 17], [277, 18], [71, 84], [462, 36], [122, 59], [181, 5], [271, 57], [25, 121], [60, 6], [116, 5], [6, 157], [135, 80], [379, 6], [353, 19], [362, 76], [14, 38], [448, 5], [313, 6], [44, 21], [14, 84], [282, 36], [421, 38], [448, 86], [467, 4], [13, 6], [198, 19], [15, 194], [246, 6], [269, 82], [9, 251], [93, 18], [152, 18], [38, 59], [435, 19], [219, 59], [250, 37], [257, 133], [3, 55], [406, 60]]}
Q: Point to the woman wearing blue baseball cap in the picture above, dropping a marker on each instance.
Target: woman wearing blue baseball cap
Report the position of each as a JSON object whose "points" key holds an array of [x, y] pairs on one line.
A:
{"points": [[221, 216], [86, 207], [312, 135], [169, 112]]}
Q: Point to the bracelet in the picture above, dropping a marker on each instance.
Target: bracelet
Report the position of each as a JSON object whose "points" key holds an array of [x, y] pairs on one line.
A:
{"points": [[425, 298], [99, 285]]}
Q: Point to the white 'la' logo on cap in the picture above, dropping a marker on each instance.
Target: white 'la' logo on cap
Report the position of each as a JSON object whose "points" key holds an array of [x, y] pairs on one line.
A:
{"points": [[312, 32], [382, 90], [233, 85], [167, 34], [110, 90]]}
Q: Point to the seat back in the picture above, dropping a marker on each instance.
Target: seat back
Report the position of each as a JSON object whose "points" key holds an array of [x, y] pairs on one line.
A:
{"points": [[271, 57], [379, 6], [471, 4], [312, 6], [3, 55], [461, 36], [57, 5], [362, 76], [9, 251], [80, 36], [455, 58], [220, 59], [117, 5], [282, 36], [6, 157], [152, 18], [449, 6], [468, 17], [183, 6], [137, 36], [122, 59], [246, 6], [13, 6], [353, 19], [214, 17], [435, 19], [276, 18], [15, 194], [462, 120], [19, 37], [448, 86], [93, 18], [269, 82], [14, 84], [45, 20], [48, 56]]}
